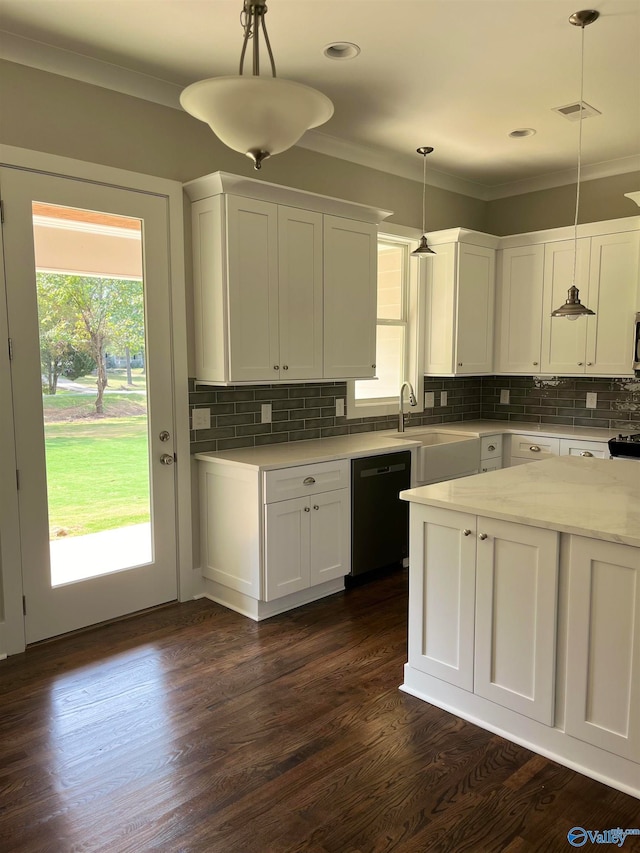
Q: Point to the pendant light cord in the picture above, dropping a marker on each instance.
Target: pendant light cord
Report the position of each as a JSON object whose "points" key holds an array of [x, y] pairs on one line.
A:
{"points": [[575, 221], [424, 193]]}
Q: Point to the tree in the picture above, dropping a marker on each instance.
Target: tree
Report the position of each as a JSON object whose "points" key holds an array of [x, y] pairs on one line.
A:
{"points": [[56, 321], [103, 310]]}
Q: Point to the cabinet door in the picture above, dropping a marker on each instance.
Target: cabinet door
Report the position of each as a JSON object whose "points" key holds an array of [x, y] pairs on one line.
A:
{"points": [[612, 295], [564, 342], [442, 550], [287, 537], [330, 537], [519, 309], [440, 294], [350, 298], [603, 646], [516, 605], [252, 289], [475, 308], [300, 293]]}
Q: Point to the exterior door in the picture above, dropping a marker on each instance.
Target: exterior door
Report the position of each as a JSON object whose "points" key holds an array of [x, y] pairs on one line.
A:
{"points": [[88, 305]]}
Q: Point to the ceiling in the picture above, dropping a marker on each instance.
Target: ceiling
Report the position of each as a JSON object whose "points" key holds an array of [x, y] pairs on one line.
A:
{"points": [[458, 75]]}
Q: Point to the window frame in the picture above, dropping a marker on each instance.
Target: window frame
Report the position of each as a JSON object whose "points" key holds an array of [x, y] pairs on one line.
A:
{"points": [[414, 276]]}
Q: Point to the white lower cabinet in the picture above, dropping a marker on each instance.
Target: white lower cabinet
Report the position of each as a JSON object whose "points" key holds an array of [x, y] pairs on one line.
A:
{"points": [[273, 540], [516, 608], [490, 453], [482, 607], [306, 542], [603, 646]]}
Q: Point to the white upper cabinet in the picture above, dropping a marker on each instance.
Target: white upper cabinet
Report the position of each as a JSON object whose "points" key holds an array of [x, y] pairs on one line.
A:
{"points": [[459, 304], [564, 342], [350, 301], [519, 309], [285, 283], [535, 273], [613, 286]]}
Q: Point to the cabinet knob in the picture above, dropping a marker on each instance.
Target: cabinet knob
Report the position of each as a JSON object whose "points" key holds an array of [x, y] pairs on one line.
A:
{"points": [[586, 453], [535, 363], [285, 367], [315, 506], [482, 536], [492, 447], [459, 364], [307, 509], [580, 363], [276, 367], [466, 531], [308, 481], [373, 365], [534, 448], [589, 363]]}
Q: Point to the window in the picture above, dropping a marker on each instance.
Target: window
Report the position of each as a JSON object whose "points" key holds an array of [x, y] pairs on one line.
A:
{"points": [[396, 333]]}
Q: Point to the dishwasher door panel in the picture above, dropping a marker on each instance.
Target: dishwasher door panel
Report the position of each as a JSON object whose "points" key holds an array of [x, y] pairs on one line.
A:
{"points": [[379, 519]]}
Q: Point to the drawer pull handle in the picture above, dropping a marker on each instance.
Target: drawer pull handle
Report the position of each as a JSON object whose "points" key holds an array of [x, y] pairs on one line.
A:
{"points": [[586, 453], [534, 448], [482, 536], [466, 531], [308, 481], [492, 447], [307, 509]]}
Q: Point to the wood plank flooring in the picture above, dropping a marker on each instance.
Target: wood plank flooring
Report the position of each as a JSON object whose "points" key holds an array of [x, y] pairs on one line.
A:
{"points": [[193, 729]]}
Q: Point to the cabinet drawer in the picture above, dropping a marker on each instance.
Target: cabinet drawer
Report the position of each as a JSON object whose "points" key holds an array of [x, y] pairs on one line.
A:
{"points": [[569, 447], [301, 480], [534, 447], [491, 447]]}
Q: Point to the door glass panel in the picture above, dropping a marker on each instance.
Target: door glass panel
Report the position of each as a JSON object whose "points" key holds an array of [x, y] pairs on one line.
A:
{"points": [[90, 290]]}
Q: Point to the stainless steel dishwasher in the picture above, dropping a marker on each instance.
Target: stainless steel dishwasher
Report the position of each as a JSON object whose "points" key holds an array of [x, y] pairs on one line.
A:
{"points": [[379, 519]]}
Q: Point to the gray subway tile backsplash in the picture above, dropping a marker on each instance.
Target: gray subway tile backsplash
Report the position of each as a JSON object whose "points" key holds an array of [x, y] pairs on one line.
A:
{"points": [[305, 411]]}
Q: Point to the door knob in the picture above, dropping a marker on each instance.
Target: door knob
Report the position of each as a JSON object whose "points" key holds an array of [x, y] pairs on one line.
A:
{"points": [[164, 435], [166, 459]]}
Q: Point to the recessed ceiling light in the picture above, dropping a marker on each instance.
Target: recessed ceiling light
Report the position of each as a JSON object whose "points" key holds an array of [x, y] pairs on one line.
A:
{"points": [[341, 50], [521, 132]]}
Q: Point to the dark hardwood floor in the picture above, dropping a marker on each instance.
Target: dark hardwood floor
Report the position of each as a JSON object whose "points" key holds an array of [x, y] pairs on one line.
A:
{"points": [[192, 728]]}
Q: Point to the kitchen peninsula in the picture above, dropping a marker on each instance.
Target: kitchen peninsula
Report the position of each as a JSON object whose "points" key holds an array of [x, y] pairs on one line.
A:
{"points": [[524, 608]]}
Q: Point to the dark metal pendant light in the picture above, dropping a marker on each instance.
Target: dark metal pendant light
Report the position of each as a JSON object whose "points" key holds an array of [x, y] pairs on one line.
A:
{"points": [[573, 308], [423, 248]]}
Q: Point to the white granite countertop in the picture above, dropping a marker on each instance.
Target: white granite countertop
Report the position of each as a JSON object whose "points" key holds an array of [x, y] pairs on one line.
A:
{"points": [[599, 498], [284, 455]]}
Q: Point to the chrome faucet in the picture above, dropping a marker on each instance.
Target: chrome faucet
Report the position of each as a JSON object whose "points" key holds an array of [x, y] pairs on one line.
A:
{"points": [[412, 402]]}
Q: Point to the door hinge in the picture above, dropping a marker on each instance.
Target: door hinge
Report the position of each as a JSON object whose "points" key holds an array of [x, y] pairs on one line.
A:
{"points": [[1, 212], [10, 350], [24, 605], [17, 479]]}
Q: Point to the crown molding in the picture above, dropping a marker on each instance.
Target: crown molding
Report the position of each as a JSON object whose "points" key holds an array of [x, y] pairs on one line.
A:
{"points": [[568, 176], [86, 69], [77, 66], [388, 161]]}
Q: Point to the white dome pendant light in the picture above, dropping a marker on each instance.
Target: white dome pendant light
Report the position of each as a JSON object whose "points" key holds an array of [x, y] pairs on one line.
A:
{"points": [[423, 248], [573, 308], [257, 116]]}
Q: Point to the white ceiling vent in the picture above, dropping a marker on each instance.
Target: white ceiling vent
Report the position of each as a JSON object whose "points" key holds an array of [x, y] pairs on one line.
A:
{"points": [[572, 111]]}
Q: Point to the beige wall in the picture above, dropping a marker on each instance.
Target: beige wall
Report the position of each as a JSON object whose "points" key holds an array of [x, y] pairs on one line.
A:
{"points": [[600, 199]]}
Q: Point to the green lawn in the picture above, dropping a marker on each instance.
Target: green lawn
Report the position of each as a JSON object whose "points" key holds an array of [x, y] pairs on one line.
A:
{"points": [[97, 474]]}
